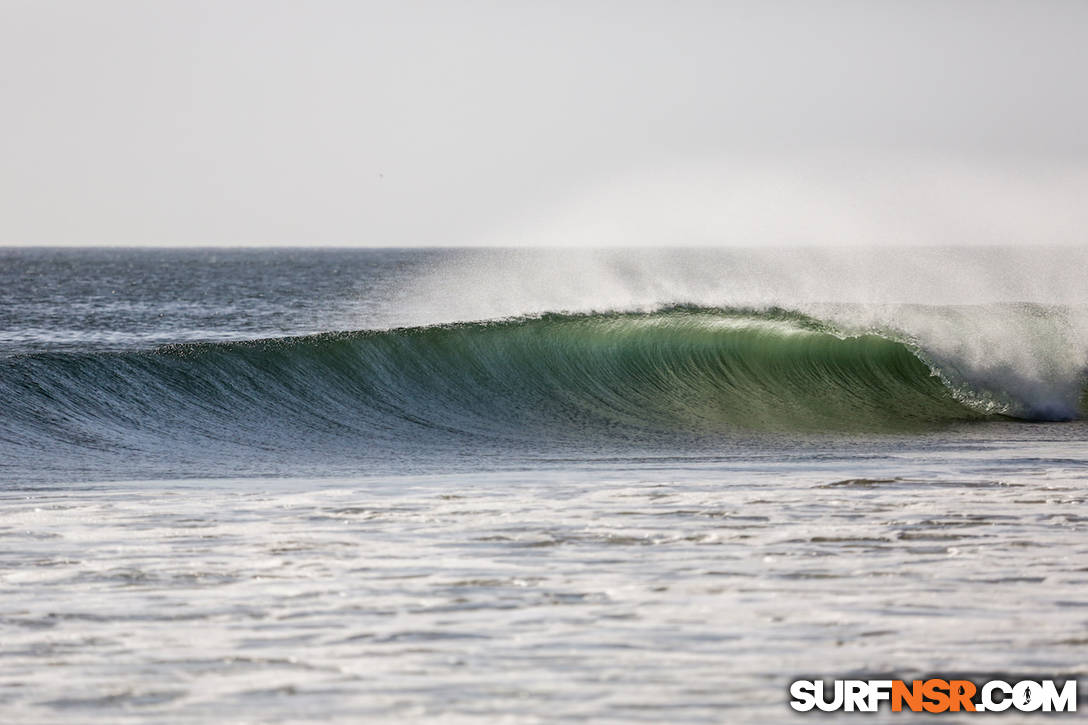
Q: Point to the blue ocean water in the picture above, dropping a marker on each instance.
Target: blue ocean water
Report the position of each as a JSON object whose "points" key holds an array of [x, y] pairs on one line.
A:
{"points": [[297, 485]]}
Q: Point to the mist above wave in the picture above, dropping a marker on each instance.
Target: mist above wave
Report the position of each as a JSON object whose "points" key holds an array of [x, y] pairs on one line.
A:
{"points": [[1013, 321]]}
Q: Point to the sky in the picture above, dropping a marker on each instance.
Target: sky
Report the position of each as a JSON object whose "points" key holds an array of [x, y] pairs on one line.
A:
{"points": [[590, 123]]}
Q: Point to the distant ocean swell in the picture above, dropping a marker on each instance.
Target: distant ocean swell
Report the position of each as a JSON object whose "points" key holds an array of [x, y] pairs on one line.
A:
{"points": [[680, 370]]}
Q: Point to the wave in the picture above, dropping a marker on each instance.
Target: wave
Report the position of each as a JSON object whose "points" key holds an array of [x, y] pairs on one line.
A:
{"points": [[559, 378]]}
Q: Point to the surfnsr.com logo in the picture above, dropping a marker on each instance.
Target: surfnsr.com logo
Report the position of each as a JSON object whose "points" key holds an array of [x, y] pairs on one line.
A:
{"points": [[934, 695]]}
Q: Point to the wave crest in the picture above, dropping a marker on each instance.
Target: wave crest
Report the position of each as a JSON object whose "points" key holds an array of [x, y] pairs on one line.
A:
{"points": [[680, 370]]}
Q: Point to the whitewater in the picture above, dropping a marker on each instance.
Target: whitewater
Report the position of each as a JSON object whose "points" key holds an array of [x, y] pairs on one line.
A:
{"points": [[532, 485]]}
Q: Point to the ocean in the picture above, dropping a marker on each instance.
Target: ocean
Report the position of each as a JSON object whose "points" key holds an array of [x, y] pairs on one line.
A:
{"points": [[400, 485]]}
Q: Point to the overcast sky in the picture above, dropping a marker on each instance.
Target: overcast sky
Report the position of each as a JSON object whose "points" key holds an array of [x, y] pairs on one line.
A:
{"points": [[587, 122]]}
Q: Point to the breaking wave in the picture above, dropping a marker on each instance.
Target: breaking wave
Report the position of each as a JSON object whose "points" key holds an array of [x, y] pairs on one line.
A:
{"points": [[551, 379]]}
